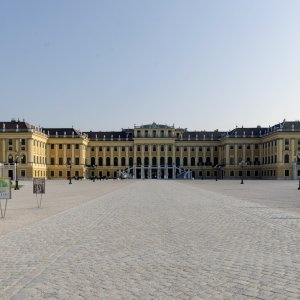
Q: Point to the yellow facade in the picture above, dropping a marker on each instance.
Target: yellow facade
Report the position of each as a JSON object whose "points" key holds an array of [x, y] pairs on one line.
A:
{"points": [[150, 151]]}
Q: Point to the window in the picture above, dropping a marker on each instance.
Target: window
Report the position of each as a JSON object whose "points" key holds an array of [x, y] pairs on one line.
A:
{"points": [[146, 133], [169, 148], [116, 161], [146, 148], [184, 148], [52, 161], [10, 142], [248, 174], [154, 148], [115, 149], [93, 161], [177, 149], [208, 173], [231, 162], [60, 173], [193, 161], [52, 173], [68, 146], [161, 133], [232, 173], [256, 173], [93, 149], [23, 142], [248, 146], [216, 148], [240, 146], [100, 148], [23, 159], [60, 160], [162, 148], [154, 133], [298, 173], [193, 149], [200, 149], [231, 146], [138, 148], [52, 146], [100, 161], [207, 149], [138, 133], [23, 173], [185, 162], [123, 161], [130, 148], [123, 149], [107, 148], [76, 146], [286, 159], [108, 174], [256, 146], [286, 173], [77, 161], [60, 146]]}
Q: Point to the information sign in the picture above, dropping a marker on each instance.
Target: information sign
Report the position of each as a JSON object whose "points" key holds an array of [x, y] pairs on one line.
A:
{"points": [[39, 185], [5, 188]]}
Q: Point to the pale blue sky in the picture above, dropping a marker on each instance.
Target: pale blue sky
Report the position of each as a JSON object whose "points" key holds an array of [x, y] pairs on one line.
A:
{"points": [[104, 65]]}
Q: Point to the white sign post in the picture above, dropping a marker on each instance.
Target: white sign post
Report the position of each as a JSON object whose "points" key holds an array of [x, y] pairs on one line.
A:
{"points": [[5, 193], [39, 189]]}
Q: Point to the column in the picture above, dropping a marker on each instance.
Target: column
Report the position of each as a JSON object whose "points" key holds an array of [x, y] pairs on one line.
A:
{"points": [[236, 159], [244, 152], [181, 156], [127, 156], [4, 159], [73, 151], [189, 156], [65, 155], [104, 155], [279, 151]]}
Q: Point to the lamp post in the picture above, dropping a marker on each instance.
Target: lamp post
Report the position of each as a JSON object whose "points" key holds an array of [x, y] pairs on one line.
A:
{"points": [[70, 166], [94, 167], [298, 162], [16, 164], [242, 164], [217, 168]]}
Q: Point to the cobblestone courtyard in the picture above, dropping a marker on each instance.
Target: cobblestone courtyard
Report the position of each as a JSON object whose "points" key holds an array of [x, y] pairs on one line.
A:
{"points": [[153, 240]]}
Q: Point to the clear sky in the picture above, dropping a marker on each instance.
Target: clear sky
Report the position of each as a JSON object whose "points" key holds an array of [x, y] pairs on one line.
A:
{"points": [[106, 65]]}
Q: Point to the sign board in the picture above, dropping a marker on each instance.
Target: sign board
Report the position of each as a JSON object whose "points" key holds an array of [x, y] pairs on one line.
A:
{"points": [[39, 185], [5, 188]]}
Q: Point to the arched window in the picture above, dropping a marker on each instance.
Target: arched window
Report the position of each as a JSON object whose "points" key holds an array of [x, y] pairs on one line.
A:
{"points": [[146, 161], [185, 161], [108, 161], [138, 161], [200, 161], [100, 161], [154, 161], [286, 159], [162, 161], [93, 161], [123, 161], [23, 159], [170, 161], [177, 161], [10, 159], [192, 161], [116, 161], [130, 161]]}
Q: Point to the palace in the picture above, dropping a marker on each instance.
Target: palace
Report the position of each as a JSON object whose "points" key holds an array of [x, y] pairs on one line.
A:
{"points": [[150, 151]]}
